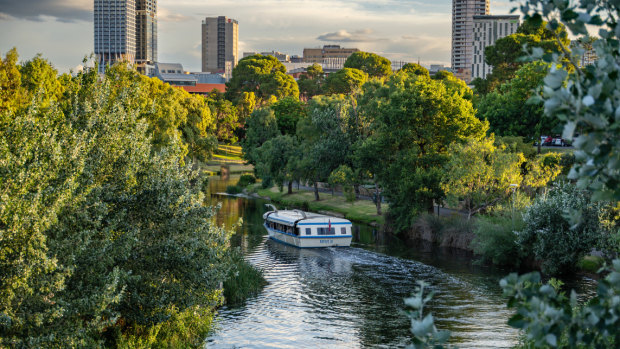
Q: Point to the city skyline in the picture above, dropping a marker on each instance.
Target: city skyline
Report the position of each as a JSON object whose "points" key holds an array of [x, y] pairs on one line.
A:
{"points": [[398, 30]]}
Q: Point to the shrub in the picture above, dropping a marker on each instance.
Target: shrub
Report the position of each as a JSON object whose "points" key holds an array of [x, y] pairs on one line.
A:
{"points": [[233, 189], [550, 319], [496, 240], [242, 281], [246, 180], [552, 236]]}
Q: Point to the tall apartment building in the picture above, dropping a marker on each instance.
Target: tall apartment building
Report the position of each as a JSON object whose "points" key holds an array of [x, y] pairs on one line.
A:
{"points": [[487, 29], [463, 12], [115, 31], [220, 37], [125, 30], [329, 53], [146, 31]]}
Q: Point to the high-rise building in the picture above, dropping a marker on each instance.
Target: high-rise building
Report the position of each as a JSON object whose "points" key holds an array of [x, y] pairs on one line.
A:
{"points": [[125, 30], [463, 12], [115, 31], [220, 37], [146, 31], [487, 29]]}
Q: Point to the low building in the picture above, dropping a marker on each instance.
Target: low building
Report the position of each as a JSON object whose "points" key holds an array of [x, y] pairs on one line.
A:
{"points": [[329, 54], [196, 83]]}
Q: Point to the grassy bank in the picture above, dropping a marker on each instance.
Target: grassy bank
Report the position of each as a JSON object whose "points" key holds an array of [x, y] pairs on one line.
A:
{"points": [[360, 211]]}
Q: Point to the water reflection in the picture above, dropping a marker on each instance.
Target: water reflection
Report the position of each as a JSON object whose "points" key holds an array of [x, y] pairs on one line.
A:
{"points": [[352, 297]]}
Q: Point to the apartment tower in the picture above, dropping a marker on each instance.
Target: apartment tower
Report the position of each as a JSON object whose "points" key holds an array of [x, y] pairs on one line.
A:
{"points": [[146, 31], [125, 30], [463, 12], [115, 31], [487, 29], [220, 36]]}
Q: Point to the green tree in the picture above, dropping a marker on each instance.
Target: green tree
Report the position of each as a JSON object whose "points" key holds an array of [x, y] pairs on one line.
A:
{"points": [[311, 82], [414, 68], [265, 76], [480, 174], [345, 81], [276, 159], [288, 112], [509, 109], [370, 63], [414, 121], [226, 117], [260, 127], [506, 53]]}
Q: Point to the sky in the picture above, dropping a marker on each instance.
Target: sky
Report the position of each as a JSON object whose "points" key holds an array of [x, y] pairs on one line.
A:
{"points": [[401, 30]]}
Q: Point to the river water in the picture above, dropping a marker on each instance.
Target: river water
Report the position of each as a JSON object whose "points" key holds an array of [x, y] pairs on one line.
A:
{"points": [[353, 297]]}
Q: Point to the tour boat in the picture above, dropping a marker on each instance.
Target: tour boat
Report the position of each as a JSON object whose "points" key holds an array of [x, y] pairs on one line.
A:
{"points": [[306, 230]]}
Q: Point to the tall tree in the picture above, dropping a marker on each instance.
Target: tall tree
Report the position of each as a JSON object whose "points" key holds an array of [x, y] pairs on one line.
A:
{"points": [[265, 76], [311, 82], [345, 81], [288, 112], [370, 63], [260, 127], [414, 68], [508, 109], [414, 121]]}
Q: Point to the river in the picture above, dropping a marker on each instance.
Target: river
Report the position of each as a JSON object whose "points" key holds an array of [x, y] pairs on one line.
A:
{"points": [[353, 297]]}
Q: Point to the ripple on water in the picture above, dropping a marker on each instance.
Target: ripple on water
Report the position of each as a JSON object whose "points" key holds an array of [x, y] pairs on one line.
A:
{"points": [[351, 298]]}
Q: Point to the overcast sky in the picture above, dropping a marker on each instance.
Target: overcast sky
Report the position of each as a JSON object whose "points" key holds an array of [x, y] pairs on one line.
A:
{"points": [[408, 30]]}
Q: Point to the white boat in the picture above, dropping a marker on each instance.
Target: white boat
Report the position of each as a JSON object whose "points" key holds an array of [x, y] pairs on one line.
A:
{"points": [[307, 230]]}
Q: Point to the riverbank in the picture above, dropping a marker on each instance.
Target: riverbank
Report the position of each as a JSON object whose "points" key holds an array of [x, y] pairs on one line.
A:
{"points": [[360, 211]]}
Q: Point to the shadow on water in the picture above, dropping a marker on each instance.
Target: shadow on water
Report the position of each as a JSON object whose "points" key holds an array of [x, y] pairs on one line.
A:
{"points": [[353, 297]]}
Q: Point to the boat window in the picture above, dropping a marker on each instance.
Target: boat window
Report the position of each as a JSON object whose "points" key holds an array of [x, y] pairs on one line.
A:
{"points": [[332, 231], [308, 231], [343, 231]]}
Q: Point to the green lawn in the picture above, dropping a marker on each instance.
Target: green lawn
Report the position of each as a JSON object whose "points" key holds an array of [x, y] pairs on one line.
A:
{"points": [[361, 211]]}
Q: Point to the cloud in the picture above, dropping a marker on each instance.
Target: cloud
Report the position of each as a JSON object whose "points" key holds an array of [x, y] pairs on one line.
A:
{"points": [[66, 11], [164, 15], [362, 35]]}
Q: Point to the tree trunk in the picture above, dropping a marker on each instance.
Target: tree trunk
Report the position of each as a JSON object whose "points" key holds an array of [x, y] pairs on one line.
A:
{"points": [[316, 191], [290, 187], [378, 203]]}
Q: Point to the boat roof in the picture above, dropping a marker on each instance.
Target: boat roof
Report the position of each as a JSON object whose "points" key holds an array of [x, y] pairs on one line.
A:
{"points": [[290, 216]]}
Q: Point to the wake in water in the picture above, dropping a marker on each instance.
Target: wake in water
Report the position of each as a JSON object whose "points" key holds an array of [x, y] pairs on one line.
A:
{"points": [[352, 298]]}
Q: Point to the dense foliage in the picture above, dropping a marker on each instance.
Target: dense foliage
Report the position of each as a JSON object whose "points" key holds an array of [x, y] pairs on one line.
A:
{"points": [[104, 239], [370, 63]]}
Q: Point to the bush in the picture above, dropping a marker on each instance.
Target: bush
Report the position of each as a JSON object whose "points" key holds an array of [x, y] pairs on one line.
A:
{"points": [[552, 236], [242, 281], [246, 180], [550, 319], [233, 189], [496, 240]]}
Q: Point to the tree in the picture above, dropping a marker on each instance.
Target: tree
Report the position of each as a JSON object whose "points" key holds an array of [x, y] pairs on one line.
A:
{"points": [[103, 237], [311, 82], [480, 174], [585, 100], [288, 112], [276, 159], [261, 127], [506, 53], [265, 76], [324, 144], [509, 109], [414, 121], [345, 81], [226, 117], [370, 63], [414, 68]]}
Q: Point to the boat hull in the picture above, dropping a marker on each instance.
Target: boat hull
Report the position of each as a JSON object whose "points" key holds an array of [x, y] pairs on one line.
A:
{"points": [[309, 242]]}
